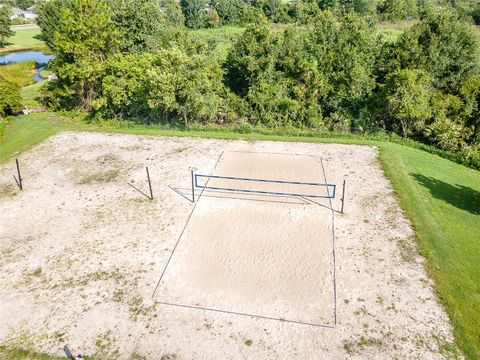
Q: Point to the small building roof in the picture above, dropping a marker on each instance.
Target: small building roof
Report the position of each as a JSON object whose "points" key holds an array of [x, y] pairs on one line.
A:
{"points": [[17, 11]]}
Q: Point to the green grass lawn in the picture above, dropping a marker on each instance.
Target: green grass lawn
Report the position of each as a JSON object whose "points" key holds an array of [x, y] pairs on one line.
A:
{"points": [[30, 94], [442, 200], [25, 39], [440, 197], [19, 73]]}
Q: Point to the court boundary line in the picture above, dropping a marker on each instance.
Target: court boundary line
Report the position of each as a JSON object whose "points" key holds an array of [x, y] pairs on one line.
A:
{"points": [[272, 153], [297, 322], [183, 230], [247, 315], [333, 251]]}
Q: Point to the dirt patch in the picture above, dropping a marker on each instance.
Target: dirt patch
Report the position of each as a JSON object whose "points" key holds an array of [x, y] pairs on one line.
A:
{"points": [[8, 190], [81, 253], [100, 177]]}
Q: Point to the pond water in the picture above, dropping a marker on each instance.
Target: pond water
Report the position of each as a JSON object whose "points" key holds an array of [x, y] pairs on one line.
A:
{"points": [[39, 57]]}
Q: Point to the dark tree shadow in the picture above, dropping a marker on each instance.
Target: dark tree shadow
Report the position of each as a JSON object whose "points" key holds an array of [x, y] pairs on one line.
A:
{"points": [[462, 197]]}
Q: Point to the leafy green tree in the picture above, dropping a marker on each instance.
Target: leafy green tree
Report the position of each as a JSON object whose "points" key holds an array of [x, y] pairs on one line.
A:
{"points": [[187, 87], [9, 98], [469, 8], [86, 37], [5, 24], [252, 54], [276, 77], [398, 9], [406, 99], [169, 86], [24, 4], [359, 6], [470, 90], [442, 45], [171, 13], [274, 10], [345, 47], [320, 72], [233, 12], [124, 88], [142, 23], [302, 12], [446, 127], [195, 12], [48, 19]]}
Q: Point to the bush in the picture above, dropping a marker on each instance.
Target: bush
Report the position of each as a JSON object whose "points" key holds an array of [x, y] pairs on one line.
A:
{"points": [[170, 86], [10, 98]]}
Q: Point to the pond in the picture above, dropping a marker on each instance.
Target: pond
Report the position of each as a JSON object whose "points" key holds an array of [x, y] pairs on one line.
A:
{"points": [[39, 57]]}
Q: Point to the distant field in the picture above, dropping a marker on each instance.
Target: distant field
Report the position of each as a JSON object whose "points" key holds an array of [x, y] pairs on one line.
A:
{"points": [[27, 38], [220, 38]]}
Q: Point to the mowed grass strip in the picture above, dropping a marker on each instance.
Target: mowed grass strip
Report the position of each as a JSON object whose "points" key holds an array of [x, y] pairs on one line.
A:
{"points": [[440, 197], [31, 94], [442, 200], [28, 131], [24, 39]]}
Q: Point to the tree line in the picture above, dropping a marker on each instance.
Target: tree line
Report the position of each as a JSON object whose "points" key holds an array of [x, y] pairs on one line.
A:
{"points": [[133, 60]]}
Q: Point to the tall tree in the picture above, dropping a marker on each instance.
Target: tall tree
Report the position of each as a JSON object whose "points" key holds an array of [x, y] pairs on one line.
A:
{"points": [[9, 98], [24, 4], [48, 19], [5, 24], [399, 9], [195, 12], [442, 44], [86, 36], [141, 22], [345, 47], [171, 12], [470, 90], [406, 101]]}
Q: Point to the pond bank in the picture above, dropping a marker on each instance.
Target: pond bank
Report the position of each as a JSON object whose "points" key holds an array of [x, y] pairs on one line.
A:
{"points": [[40, 60]]}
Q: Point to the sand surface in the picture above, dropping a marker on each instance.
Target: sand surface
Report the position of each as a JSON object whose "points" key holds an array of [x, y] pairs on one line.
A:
{"points": [[81, 254], [249, 253]]}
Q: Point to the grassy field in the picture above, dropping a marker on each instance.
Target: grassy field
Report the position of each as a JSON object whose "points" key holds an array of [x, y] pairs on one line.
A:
{"points": [[19, 73], [441, 199], [220, 39], [392, 30], [30, 94], [25, 39]]}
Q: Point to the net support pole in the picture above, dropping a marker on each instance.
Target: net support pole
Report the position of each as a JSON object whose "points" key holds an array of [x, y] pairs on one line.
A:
{"points": [[149, 183], [193, 186], [343, 196], [18, 178]]}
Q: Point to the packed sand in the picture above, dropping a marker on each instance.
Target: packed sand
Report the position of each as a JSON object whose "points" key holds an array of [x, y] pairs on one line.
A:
{"points": [[81, 254]]}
